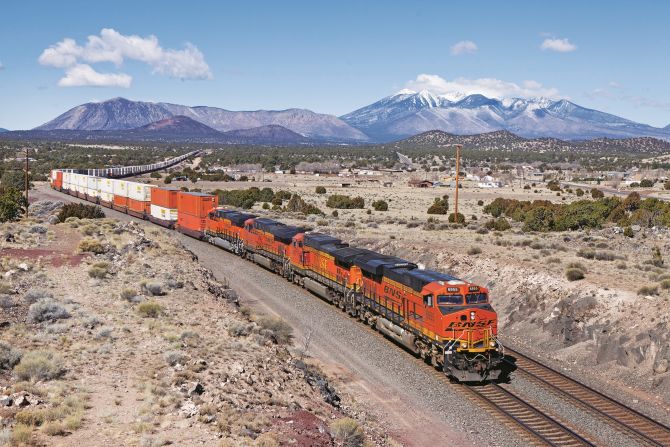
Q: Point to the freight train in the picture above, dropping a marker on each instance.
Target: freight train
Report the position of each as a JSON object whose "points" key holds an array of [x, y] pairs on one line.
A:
{"points": [[446, 321]]}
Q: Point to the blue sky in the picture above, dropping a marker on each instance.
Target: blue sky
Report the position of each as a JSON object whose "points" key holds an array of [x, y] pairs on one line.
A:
{"points": [[331, 57]]}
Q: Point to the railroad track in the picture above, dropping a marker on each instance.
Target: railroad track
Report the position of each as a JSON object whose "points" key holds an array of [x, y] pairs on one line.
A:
{"points": [[621, 417], [538, 425]]}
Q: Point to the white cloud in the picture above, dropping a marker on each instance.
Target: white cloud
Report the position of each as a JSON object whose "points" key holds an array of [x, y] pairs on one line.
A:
{"points": [[112, 46], [464, 47], [559, 45], [84, 75], [489, 87], [616, 92]]}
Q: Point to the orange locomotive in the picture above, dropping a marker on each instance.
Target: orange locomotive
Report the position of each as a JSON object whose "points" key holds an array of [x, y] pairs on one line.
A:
{"points": [[443, 319]]}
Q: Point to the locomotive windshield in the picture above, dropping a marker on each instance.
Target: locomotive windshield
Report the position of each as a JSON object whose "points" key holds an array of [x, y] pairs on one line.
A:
{"points": [[449, 300], [476, 298]]}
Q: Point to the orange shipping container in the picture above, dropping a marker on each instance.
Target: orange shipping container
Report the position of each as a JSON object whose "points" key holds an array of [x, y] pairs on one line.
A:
{"points": [[120, 201], [195, 203], [164, 197], [193, 223], [139, 206]]}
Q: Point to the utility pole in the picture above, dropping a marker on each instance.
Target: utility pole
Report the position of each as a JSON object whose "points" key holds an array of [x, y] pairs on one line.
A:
{"points": [[458, 168], [27, 176]]}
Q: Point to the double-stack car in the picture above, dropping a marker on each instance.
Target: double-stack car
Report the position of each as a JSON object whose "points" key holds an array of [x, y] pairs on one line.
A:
{"points": [[446, 321]]}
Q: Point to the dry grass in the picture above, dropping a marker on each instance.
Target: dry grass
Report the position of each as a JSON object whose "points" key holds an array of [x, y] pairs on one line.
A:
{"points": [[91, 246], [39, 365], [348, 431], [150, 309]]}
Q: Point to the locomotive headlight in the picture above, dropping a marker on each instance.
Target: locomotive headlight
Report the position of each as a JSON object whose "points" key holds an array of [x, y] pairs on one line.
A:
{"points": [[472, 315], [492, 344], [464, 345]]}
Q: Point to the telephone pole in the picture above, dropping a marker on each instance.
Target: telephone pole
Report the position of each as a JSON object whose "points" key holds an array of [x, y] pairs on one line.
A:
{"points": [[458, 168]]}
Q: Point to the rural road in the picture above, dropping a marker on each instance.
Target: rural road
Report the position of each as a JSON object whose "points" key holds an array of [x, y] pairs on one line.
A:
{"points": [[421, 408]]}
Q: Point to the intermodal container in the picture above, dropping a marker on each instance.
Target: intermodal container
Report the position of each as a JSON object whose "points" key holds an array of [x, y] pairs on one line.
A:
{"points": [[93, 186], [164, 197], [67, 180], [120, 188], [192, 224], [107, 185], [163, 213], [120, 201], [140, 191], [106, 197], [195, 203], [139, 206]]}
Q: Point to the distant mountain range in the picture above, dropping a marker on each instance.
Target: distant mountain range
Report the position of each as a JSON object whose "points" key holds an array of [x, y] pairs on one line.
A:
{"points": [[122, 114], [393, 118], [3, 130], [407, 113], [174, 129]]}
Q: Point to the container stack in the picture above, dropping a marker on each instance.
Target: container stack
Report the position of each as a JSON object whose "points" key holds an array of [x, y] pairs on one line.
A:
{"points": [[67, 181], [106, 191], [120, 188], [139, 199], [164, 206], [193, 209], [93, 186], [57, 179]]}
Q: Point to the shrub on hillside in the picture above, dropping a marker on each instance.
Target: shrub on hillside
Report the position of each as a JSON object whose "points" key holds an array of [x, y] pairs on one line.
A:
{"points": [[91, 246], [46, 310], [499, 224], [80, 211], [341, 201], [277, 329], [574, 274], [596, 193], [348, 432], [647, 183], [39, 365], [320, 189], [149, 309], [453, 218], [380, 205], [9, 357], [440, 205]]}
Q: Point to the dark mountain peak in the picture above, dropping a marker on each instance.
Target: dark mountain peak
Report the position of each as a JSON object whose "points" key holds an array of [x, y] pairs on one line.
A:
{"points": [[476, 100], [179, 123], [265, 134], [3, 129]]}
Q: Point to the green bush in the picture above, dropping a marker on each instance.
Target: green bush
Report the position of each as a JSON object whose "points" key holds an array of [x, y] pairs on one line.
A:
{"points": [[155, 175], [474, 251], [320, 189], [628, 232], [453, 218], [80, 211], [91, 246], [596, 193], [8, 356], [380, 205], [574, 274], [646, 183], [499, 224], [298, 205], [341, 201], [647, 290], [439, 206]]}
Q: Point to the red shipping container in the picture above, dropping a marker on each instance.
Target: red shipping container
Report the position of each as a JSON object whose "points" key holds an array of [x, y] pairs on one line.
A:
{"points": [[120, 201], [164, 197], [193, 223], [138, 206], [195, 203]]}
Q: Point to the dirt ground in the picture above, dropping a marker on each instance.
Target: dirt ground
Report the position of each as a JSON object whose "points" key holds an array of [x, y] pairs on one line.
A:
{"points": [[111, 333]]}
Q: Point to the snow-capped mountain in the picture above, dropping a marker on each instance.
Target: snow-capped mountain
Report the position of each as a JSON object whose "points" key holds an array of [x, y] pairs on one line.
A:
{"points": [[408, 113], [121, 114]]}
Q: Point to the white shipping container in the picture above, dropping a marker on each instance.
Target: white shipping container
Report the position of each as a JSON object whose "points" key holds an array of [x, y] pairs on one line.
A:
{"points": [[82, 180], [106, 196], [120, 188], [92, 192], [163, 213], [93, 183], [107, 185], [140, 191], [67, 179]]}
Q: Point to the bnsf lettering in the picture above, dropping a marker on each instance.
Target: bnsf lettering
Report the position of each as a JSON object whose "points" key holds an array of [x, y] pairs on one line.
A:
{"points": [[466, 324], [392, 292]]}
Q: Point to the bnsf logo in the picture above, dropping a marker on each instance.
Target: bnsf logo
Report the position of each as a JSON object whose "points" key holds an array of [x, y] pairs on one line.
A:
{"points": [[392, 292], [467, 324]]}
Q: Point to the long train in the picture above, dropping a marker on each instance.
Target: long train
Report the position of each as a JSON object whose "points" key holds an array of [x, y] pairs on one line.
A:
{"points": [[448, 322]]}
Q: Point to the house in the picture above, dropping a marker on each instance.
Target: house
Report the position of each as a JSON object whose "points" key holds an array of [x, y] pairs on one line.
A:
{"points": [[421, 183]]}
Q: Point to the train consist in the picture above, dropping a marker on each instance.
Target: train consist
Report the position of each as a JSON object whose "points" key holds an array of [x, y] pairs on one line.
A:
{"points": [[444, 320]]}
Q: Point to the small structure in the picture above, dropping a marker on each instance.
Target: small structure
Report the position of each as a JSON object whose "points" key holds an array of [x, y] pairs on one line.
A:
{"points": [[421, 183]]}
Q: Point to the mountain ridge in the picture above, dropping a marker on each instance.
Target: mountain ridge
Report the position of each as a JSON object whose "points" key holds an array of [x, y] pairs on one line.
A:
{"points": [[124, 114], [407, 113]]}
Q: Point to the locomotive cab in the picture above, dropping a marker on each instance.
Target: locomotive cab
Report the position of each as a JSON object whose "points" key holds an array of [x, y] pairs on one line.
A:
{"points": [[468, 326]]}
